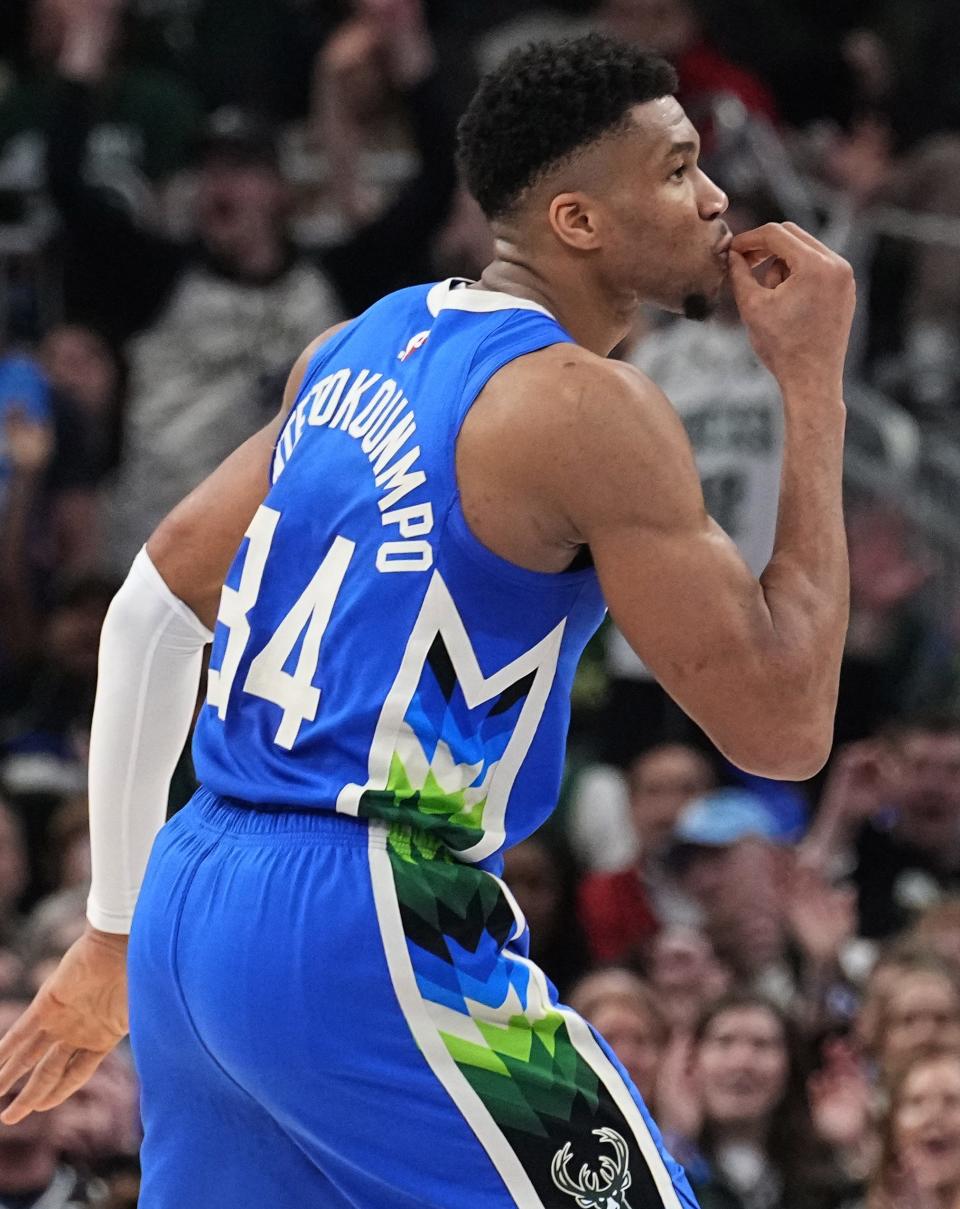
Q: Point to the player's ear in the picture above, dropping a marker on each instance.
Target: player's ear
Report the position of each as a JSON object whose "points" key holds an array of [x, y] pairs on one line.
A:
{"points": [[574, 221]]}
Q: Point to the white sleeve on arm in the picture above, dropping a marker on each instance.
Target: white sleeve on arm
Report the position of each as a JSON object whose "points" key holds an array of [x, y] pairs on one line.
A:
{"points": [[151, 653]]}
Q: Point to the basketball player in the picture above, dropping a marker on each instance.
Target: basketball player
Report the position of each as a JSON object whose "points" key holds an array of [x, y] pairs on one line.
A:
{"points": [[330, 999]]}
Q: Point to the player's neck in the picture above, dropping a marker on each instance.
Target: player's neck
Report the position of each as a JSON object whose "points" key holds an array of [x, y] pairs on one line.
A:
{"points": [[595, 320]]}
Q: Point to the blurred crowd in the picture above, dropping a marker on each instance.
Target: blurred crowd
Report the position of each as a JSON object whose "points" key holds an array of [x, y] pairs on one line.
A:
{"points": [[190, 191]]}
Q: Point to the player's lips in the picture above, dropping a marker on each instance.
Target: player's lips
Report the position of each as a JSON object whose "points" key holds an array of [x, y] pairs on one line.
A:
{"points": [[723, 247]]}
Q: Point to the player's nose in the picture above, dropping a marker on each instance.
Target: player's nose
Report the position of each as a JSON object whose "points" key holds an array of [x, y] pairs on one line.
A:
{"points": [[712, 202]]}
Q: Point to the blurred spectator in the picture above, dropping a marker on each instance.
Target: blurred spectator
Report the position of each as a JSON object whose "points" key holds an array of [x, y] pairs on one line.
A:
{"points": [[353, 96], [597, 819], [627, 1014], [746, 916], [32, 1175], [685, 976], [142, 119], [737, 1116], [101, 1121], [891, 810], [920, 1160], [88, 382], [895, 658], [213, 328], [938, 928], [896, 965], [24, 396], [622, 910], [919, 1012], [614, 820], [706, 841], [56, 450], [541, 877], [676, 30], [57, 681]]}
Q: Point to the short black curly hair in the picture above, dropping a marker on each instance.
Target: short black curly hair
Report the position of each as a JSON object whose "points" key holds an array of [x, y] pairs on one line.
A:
{"points": [[546, 101]]}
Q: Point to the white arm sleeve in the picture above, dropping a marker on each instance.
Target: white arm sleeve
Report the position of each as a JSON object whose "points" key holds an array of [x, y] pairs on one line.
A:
{"points": [[151, 653]]}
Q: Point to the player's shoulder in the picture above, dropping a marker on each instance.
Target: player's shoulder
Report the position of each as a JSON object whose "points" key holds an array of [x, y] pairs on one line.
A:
{"points": [[566, 423], [599, 399], [576, 374]]}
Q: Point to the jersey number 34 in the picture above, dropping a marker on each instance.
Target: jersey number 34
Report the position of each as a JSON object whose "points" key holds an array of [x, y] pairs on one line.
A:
{"points": [[294, 692]]}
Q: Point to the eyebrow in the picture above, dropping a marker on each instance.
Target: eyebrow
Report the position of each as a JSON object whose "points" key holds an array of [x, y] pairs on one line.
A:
{"points": [[681, 148]]}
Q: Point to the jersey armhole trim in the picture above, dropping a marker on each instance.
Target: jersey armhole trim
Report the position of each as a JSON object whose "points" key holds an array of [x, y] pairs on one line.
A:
{"points": [[481, 370]]}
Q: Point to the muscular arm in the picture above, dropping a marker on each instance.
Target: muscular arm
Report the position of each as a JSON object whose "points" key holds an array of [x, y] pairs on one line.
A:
{"points": [[754, 662], [596, 455]]}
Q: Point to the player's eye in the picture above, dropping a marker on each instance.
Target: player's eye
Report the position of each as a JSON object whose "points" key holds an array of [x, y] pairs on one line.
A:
{"points": [[679, 173]]}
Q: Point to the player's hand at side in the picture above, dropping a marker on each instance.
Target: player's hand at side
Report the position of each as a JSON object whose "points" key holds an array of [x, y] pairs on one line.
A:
{"points": [[78, 1016], [797, 300]]}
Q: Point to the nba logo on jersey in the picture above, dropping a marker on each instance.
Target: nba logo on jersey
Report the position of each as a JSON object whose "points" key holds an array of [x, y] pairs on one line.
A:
{"points": [[415, 342]]}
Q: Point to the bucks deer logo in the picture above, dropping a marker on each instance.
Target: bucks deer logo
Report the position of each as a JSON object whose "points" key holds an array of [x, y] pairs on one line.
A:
{"points": [[603, 1189]]}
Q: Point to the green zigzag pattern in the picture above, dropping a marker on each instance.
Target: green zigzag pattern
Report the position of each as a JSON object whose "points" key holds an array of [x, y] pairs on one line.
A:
{"points": [[528, 1073]]}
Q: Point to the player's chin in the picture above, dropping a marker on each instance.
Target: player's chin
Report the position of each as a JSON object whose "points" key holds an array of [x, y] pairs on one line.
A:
{"points": [[701, 301]]}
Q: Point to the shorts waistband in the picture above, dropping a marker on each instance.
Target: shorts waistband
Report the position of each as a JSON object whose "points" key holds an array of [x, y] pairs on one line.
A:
{"points": [[235, 818]]}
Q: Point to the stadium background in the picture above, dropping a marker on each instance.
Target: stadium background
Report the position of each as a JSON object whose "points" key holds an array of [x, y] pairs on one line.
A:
{"points": [[189, 191]]}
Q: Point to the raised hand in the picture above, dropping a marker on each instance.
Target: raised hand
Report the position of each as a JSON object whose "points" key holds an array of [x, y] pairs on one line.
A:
{"points": [[798, 307], [821, 917], [841, 1100], [857, 788], [405, 41], [90, 29], [678, 1098], [77, 1017]]}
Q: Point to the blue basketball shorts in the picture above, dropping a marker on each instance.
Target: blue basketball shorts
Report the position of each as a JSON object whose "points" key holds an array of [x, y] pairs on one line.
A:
{"points": [[331, 1013]]}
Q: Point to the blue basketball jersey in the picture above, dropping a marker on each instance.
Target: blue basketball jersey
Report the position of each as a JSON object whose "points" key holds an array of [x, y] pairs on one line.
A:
{"points": [[371, 656]]}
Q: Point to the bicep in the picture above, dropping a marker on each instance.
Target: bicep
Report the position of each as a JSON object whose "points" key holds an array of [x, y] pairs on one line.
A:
{"points": [[674, 582], [195, 544], [687, 604]]}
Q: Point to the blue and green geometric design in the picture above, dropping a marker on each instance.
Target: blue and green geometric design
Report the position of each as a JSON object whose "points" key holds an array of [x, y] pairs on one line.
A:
{"points": [[446, 755], [506, 1036]]}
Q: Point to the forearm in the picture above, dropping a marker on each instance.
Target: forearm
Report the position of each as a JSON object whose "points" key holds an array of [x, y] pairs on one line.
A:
{"points": [[151, 653], [806, 584]]}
